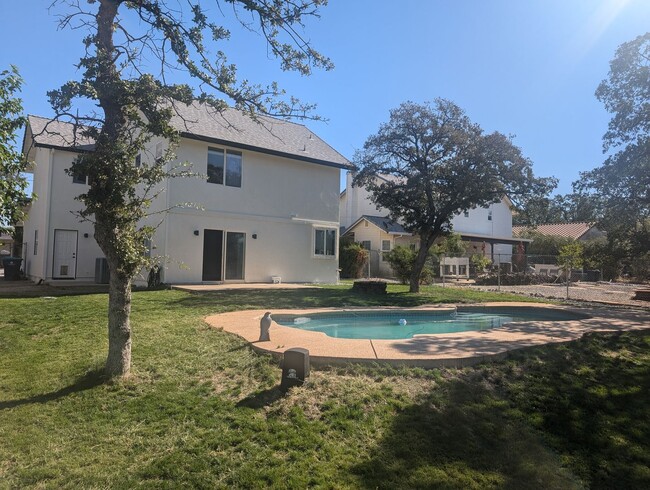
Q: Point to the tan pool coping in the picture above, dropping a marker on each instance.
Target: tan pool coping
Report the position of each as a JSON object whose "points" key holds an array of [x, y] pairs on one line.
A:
{"points": [[453, 349]]}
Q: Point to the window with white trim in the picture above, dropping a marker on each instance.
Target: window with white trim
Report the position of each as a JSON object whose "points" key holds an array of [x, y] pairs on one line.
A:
{"points": [[489, 215], [385, 248], [324, 242]]}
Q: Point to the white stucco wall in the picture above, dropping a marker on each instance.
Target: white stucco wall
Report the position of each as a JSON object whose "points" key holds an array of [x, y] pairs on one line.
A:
{"points": [[283, 247], [271, 186], [54, 209], [34, 265], [280, 201]]}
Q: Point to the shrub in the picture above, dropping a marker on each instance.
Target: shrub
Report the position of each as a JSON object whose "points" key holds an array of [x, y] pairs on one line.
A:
{"points": [[353, 259], [401, 260], [514, 279], [480, 262]]}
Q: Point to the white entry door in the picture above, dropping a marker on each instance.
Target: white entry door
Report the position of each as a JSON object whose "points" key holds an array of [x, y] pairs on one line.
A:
{"points": [[65, 254]]}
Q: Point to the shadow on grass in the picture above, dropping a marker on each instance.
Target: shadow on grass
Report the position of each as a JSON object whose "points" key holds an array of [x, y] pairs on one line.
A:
{"points": [[297, 298], [88, 381], [461, 436], [261, 399]]}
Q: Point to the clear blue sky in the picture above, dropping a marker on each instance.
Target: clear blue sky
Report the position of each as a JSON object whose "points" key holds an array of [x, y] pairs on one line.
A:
{"points": [[523, 67]]}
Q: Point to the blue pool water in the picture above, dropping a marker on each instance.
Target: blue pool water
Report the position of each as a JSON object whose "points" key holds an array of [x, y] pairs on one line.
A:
{"points": [[404, 324]]}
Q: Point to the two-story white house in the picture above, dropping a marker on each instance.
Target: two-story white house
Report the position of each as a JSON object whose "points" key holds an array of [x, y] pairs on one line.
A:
{"points": [[269, 203], [487, 230]]}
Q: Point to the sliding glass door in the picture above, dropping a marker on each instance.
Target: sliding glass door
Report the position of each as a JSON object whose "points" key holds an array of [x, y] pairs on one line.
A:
{"points": [[223, 255], [235, 245]]}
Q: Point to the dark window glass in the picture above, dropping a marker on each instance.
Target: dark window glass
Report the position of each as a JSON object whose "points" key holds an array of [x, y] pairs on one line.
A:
{"points": [[330, 242], [235, 255], [319, 242], [138, 160], [233, 169], [215, 166], [78, 179]]}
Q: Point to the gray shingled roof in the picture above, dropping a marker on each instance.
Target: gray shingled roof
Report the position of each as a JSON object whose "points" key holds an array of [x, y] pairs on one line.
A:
{"points": [[58, 134], [269, 135], [385, 223], [232, 127]]}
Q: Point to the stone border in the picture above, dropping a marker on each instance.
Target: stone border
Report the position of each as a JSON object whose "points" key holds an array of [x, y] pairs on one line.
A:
{"points": [[449, 350]]}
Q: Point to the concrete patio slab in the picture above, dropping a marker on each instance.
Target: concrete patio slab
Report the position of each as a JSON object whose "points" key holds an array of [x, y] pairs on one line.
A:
{"points": [[454, 349]]}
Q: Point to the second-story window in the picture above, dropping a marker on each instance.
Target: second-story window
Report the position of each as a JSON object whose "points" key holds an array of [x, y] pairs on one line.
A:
{"points": [[466, 213], [489, 215], [224, 167], [78, 179]]}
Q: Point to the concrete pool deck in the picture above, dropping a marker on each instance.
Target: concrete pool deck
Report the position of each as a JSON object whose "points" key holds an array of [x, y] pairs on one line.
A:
{"points": [[451, 350]]}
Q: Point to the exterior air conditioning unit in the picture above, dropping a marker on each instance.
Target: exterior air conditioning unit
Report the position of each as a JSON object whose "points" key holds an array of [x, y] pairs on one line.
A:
{"points": [[102, 275]]}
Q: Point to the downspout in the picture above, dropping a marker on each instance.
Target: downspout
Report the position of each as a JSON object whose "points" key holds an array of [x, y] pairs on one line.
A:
{"points": [[46, 245], [166, 221]]}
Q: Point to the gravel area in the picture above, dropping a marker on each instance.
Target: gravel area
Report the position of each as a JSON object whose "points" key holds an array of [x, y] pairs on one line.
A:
{"points": [[600, 292]]}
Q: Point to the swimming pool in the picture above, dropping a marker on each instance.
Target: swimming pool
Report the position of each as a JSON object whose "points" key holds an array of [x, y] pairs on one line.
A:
{"points": [[404, 324]]}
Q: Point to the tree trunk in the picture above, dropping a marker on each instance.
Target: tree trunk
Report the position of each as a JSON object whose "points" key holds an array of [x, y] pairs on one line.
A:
{"points": [[426, 241], [118, 362]]}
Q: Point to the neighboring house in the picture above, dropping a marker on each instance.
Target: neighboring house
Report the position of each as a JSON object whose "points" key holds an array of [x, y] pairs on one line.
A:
{"points": [[269, 198], [576, 231], [488, 231]]}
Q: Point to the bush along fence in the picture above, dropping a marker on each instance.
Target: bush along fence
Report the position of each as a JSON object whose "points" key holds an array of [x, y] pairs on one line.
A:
{"points": [[481, 269]]}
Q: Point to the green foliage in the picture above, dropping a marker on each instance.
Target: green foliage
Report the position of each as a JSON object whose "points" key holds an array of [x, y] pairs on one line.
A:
{"points": [[568, 208], [353, 259], [621, 184], [12, 164], [402, 260], [571, 255], [545, 244], [451, 245], [480, 262], [429, 162]]}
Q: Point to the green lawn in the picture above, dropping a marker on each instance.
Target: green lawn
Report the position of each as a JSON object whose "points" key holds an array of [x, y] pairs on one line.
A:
{"points": [[203, 410]]}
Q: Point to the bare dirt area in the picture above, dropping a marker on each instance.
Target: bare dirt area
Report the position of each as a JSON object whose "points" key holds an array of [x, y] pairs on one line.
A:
{"points": [[594, 292]]}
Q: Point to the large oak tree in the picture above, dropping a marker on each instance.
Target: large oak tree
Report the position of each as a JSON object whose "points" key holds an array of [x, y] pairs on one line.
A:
{"points": [[126, 41], [621, 185], [429, 162]]}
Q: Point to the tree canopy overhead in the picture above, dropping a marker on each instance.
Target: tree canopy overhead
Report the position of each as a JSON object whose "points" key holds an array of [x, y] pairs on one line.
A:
{"points": [[132, 51], [622, 183], [429, 162]]}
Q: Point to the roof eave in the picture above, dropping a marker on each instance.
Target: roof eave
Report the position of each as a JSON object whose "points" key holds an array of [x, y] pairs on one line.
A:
{"points": [[242, 146]]}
